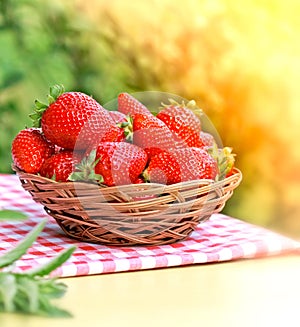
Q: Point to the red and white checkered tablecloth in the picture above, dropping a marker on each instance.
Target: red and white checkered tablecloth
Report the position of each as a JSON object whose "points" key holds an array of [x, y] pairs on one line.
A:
{"points": [[221, 238]]}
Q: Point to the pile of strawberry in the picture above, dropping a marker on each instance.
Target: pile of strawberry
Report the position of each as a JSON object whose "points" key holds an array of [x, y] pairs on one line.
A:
{"points": [[75, 138]]}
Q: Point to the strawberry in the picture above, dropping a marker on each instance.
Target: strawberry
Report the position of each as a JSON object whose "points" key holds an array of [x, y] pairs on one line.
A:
{"points": [[206, 139], [181, 165], [148, 132], [139, 180], [151, 134], [120, 163], [73, 119], [182, 121], [129, 105], [124, 124], [118, 117], [60, 166], [30, 149]]}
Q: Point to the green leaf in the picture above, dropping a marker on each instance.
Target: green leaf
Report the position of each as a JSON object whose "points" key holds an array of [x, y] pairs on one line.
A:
{"points": [[28, 289], [128, 129], [47, 309], [52, 288], [57, 261], [12, 215], [40, 106], [8, 290], [36, 115], [11, 256], [85, 170], [55, 92], [225, 160], [30, 294]]}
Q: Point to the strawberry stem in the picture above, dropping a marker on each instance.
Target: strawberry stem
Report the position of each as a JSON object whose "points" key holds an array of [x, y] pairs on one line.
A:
{"points": [[146, 175], [189, 105], [224, 158], [40, 107], [128, 129], [55, 92], [85, 170]]}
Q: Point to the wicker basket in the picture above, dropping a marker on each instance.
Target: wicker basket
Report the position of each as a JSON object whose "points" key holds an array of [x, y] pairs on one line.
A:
{"points": [[138, 214]]}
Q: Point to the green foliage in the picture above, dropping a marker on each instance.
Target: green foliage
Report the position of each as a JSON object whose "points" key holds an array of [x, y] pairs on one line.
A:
{"points": [[31, 291], [44, 43], [27, 294], [12, 215]]}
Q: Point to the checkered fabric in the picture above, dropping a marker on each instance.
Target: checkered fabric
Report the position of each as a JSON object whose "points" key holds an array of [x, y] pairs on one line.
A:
{"points": [[221, 238]]}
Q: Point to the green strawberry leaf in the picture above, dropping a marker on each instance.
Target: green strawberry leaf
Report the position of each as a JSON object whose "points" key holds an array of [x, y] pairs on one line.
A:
{"points": [[85, 170], [55, 92], [224, 158], [40, 107], [128, 129]]}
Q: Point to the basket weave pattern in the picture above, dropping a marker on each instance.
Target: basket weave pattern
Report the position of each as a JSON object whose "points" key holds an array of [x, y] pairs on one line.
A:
{"points": [[137, 214]]}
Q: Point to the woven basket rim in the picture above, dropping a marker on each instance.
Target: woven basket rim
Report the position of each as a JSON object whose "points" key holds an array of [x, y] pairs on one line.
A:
{"points": [[119, 215], [148, 185]]}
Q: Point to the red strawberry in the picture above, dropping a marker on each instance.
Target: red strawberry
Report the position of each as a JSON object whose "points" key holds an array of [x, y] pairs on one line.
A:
{"points": [[118, 117], [120, 162], [151, 134], [206, 139], [123, 123], [74, 119], [29, 150], [60, 165], [129, 105], [181, 165], [139, 180], [182, 121]]}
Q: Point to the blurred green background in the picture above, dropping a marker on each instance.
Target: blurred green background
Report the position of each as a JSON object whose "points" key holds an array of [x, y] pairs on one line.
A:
{"points": [[238, 60]]}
